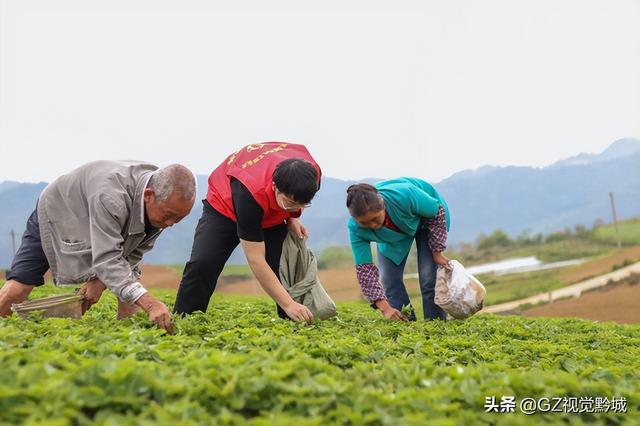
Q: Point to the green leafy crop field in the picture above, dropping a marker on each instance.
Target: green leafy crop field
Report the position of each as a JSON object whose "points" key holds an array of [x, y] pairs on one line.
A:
{"points": [[239, 364]]}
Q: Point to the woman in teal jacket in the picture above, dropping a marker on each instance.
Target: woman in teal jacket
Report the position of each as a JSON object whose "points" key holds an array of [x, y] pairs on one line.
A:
{"points": [[393, 214]]}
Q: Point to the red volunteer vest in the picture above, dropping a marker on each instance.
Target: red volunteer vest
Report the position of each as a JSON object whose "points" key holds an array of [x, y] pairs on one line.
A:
{"points": [[253, 165]]}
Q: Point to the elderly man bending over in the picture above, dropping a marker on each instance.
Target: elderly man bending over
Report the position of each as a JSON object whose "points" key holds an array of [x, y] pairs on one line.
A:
{"points": [[93, 225]]}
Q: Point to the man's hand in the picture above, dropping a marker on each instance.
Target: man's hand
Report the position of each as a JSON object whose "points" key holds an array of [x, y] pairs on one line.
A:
{"points": [[440, 259], [92, 291], [157, 311], [297, 227], [298, 312], [389, 311]]}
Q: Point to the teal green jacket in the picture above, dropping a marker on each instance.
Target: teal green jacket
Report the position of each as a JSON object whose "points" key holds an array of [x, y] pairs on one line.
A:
{"points": [[407, 201]]}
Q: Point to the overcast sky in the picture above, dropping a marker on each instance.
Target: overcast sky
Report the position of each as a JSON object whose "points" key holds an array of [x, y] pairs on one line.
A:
{"points": [[372, 88]]}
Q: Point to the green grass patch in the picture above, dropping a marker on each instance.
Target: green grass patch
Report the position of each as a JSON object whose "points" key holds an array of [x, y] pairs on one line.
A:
{"points": [[565, 250], [555, 251], [505, 288], [629, 232], [239, 364]]}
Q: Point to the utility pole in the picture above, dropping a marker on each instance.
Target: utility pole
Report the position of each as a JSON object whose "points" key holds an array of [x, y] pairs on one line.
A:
{"points": [[13, 241], [615, 219]]}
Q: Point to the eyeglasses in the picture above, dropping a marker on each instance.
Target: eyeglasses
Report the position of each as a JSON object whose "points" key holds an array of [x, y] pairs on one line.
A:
{"points": [[290, 205]]}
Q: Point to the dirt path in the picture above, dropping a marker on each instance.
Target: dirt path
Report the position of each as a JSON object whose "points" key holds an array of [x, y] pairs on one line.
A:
{"points": [[574, 290], [602, 265]]}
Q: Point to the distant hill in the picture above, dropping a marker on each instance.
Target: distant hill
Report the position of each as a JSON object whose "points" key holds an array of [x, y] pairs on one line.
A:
{"points": [[566, 193], [569, 192]]}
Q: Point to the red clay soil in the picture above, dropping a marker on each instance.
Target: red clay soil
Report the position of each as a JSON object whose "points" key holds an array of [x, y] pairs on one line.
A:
{"points": [[613, 303], [600, 266]]}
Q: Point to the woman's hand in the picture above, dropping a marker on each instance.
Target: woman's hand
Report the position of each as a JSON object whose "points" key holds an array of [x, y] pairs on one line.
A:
{"points": [[440, 259], [389, 311]]}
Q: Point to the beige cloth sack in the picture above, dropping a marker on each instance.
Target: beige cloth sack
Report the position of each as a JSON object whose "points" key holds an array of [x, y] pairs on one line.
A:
{"points": [[299, 276], [458, 292]]}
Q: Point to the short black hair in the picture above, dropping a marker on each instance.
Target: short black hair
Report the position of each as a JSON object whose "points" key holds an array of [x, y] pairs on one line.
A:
{"points": [[297, 178]]}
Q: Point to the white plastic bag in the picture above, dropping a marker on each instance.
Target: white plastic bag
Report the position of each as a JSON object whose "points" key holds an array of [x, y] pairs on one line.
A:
{"points": [[458, 292]]}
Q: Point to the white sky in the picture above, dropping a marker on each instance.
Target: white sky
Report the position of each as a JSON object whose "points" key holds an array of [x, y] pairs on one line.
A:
{"points": [[372, 88]]}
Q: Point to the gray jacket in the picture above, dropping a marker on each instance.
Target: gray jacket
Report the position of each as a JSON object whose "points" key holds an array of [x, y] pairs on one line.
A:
{"points": [[92, 225]]}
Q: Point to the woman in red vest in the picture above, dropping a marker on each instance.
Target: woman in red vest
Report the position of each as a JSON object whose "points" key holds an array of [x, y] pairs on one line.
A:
{"points": [[255, 197]]}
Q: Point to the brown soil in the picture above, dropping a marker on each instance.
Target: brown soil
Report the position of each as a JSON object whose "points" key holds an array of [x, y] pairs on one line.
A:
{"points": [[153, 276], [156, 276], [600, 266], [613, 303], [340, 283]]}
